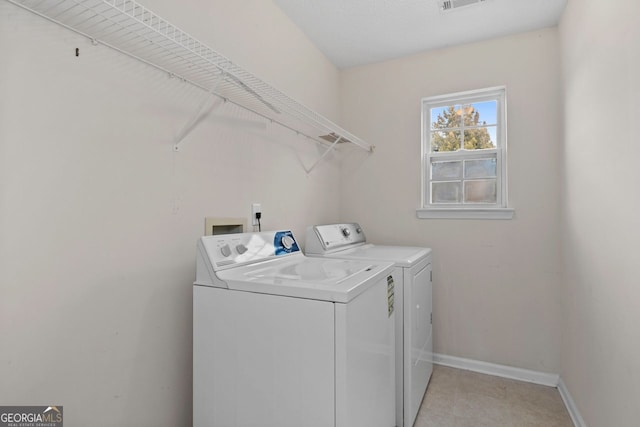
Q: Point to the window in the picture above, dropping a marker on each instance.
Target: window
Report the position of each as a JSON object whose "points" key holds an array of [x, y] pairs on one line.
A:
{"points": [[464, 155]]}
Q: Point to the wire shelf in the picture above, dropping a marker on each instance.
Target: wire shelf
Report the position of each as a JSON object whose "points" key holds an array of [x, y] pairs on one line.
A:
{"points": [[134, 30]]}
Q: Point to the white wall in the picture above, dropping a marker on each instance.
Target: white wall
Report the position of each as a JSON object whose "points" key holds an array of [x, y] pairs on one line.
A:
{"points": [[496, 295], [601, 224], [99, 217]]}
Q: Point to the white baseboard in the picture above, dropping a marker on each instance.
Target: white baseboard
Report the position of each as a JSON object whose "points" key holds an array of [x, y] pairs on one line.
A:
{"points": [[571, 405], [520, 374]]}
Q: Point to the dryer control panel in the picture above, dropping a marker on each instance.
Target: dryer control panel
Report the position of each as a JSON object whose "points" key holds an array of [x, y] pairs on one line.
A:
{"points": [[325, 238]]}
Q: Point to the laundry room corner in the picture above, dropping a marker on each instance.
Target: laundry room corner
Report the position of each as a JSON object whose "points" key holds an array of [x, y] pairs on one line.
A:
{"points": [[492, 278], [319, 213]]}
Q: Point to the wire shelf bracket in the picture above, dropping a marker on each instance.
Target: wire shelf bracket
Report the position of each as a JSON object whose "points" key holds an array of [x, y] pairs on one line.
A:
{"points": [[323, 155], [134, 30], [205, 108]]}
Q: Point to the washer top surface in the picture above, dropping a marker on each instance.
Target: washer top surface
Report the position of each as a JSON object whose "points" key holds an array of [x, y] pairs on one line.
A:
{"points": [[271, 263], [337, 280]]}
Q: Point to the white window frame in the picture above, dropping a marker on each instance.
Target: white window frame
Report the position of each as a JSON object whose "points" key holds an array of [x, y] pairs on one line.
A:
{"points": [[498, 210]]}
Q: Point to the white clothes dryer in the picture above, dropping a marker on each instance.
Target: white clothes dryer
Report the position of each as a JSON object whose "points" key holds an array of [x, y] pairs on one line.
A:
{"points": [[280, 339], [413, 279]]}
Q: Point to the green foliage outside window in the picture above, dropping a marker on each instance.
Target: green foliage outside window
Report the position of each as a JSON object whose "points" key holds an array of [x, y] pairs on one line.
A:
{"points": [[447, 130]]}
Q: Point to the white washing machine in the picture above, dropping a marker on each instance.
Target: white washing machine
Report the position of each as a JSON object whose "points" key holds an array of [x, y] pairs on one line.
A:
{"points": [[283, 340], [413, 278]]}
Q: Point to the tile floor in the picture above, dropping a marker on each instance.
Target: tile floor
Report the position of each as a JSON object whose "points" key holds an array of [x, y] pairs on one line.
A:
{"points": [[458, 398]]}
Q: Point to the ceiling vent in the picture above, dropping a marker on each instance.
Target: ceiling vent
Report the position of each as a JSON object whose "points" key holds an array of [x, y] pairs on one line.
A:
{"points": [[447, 5]]}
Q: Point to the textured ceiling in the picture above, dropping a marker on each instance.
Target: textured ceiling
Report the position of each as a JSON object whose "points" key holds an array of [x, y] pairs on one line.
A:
{"points": [[357, 32]]}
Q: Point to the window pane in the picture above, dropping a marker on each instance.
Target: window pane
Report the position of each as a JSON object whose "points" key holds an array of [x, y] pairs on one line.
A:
{"points": [[445, 141], [492, 133], [480, 191], [486, 112], [483, 168], [446, 170], [477, 139], [446, 192], [445, 117]]}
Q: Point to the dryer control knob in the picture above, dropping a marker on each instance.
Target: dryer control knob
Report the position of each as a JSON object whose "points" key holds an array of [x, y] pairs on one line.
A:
{"points": [[346, 232], [241, 248], [225, 251], [358, 230], [287, 242]]}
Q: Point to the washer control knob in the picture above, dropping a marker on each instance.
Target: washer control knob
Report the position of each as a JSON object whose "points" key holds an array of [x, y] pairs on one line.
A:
{"points": [[225, 251], [241, 248], [346, 232], [287, 242], [358, 230]]}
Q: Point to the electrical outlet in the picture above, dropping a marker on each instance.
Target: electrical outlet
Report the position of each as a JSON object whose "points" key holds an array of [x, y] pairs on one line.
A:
{"points": [[255, 208]]}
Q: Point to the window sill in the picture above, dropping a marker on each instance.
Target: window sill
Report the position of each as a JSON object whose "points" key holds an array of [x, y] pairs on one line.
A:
{"points": [[467, 213]]}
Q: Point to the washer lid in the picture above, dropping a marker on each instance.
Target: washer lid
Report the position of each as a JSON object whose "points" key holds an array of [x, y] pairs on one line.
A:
{"points": [[402, 256], [326, 279]]}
